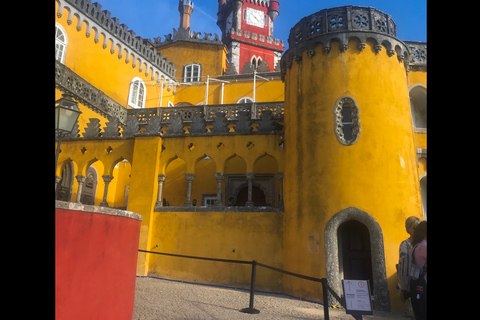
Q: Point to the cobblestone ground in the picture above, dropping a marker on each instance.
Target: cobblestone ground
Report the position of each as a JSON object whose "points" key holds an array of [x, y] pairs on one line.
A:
{"points": [[162, 299]]}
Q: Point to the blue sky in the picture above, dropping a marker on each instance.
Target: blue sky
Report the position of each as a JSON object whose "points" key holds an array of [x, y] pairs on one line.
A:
{"points": [[153, 18]]}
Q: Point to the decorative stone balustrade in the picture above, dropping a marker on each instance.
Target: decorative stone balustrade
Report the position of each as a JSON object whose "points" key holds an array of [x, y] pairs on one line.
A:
{"points": [[342, 24], [87, 94], [418, 55], [224, 119]]}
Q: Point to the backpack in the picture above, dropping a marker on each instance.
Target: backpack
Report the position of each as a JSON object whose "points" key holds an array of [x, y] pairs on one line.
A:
{"points": [[414, 270], [408, 270], [403, 271]]}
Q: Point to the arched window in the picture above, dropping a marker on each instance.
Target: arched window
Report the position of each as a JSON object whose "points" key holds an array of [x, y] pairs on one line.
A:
{"points": [[60, 43], [136, 96], [245, 100], [347, 121], [418, 105], [192, 72], [255, 62]]}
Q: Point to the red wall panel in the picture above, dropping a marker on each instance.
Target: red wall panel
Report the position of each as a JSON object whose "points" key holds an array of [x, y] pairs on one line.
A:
{"points": [[95, 265]]}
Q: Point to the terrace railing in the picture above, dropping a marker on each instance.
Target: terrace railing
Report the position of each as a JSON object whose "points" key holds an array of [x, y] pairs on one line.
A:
{"points": [[223, 119]]}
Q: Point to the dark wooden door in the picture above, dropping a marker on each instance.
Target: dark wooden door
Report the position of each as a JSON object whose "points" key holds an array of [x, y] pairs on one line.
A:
{"points": [[356, 253]]}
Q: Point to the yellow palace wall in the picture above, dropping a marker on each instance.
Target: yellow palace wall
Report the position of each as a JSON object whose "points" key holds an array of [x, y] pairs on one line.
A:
{"points": [[212, 57], [226, 235]]}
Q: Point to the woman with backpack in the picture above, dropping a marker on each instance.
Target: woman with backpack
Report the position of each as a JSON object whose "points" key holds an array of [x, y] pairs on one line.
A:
{"points": [[403, 261], [418, 283]]}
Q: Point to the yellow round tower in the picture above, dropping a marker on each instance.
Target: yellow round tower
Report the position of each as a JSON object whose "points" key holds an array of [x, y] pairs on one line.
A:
{"points": [[351, 176]]}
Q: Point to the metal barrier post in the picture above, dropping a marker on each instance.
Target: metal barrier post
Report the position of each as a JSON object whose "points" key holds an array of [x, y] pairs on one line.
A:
{"points": [[250, 308], [325, 299]]}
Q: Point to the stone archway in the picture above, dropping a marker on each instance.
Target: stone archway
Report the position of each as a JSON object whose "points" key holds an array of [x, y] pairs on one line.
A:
{"points": [[64, 188], [380, 292], [90, 188]]}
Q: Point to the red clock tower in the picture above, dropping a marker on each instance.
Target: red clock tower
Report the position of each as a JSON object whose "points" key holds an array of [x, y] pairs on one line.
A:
{"points": [[247, 31]]}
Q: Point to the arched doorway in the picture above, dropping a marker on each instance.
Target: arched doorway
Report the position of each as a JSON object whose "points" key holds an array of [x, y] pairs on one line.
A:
{"points": [[90, 187], [64, 188], [333, 250], [355, 258]]}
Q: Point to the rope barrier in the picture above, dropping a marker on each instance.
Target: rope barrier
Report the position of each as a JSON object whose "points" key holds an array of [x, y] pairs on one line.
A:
{"points": [[251, 309]]}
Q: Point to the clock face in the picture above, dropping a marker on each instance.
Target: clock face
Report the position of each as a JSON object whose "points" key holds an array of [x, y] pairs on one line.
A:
{"points": [[255, 17]]}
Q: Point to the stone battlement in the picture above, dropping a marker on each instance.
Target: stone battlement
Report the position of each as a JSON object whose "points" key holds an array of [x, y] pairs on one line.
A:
{"points": [[222, 119]]}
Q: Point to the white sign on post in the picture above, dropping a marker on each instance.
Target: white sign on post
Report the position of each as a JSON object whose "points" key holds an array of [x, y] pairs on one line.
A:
{"points": [[357, 296]]}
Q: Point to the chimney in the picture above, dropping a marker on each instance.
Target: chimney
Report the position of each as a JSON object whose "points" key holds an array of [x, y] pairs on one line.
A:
{"points": [[185, 7]]}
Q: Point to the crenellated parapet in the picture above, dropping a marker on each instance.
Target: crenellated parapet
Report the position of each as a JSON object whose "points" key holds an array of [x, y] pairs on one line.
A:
{"points": [[119, 35], [224, 119], [341, 25], [186, 34], [260, 40]]}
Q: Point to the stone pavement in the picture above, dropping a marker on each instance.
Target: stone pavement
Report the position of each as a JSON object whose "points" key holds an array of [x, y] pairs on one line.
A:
{"points": [[162, 299]]}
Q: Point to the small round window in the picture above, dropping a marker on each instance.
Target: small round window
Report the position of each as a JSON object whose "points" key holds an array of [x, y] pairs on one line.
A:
{"points": [[347, 121]]}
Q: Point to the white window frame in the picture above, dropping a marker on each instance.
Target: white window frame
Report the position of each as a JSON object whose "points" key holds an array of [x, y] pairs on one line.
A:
{"points": [[134, 94], [63, 44], [209, 197], [192, 67]]}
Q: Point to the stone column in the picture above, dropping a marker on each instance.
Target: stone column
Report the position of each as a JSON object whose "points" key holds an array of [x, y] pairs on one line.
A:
{"points": [[250, 176], [81, 181], [189, 177], [280, 200], [161, 180], [106, 179], [219, 177]]}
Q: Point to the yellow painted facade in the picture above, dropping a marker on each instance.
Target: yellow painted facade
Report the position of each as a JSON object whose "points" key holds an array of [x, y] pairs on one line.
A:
{"points": [[205, 54], [309, 180], [377, 174]]}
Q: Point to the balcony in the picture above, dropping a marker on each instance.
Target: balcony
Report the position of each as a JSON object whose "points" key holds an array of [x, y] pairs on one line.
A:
{"points": [[223, 119]]}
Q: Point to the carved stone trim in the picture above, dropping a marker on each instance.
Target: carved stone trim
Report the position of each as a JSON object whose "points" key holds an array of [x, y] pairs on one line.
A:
{"points": [[87, 94], [171, 122], [418, 55], [380, 292], [343, 24], [355, 117], [188, 35]]}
